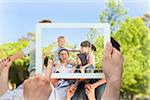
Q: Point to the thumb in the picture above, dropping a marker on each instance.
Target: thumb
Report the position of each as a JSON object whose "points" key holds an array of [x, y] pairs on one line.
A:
{"points": [[108, 50]]}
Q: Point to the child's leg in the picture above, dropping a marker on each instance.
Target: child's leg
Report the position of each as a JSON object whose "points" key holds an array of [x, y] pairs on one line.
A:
{"points": [[99, 91], [89, 69], [77, 69]]}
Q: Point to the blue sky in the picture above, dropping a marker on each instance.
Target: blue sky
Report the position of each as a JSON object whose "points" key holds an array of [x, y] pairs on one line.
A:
{"points": [[18, 17]]}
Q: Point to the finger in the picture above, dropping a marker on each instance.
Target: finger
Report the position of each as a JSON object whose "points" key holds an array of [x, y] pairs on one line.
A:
{"points": [[87, 91], [116, 52], [4, 63], [73, 88], [108, 50], [9, 61], [73, 91], [70, 90], [43, 78], [73, 85], [88, 87], [48, 72]]}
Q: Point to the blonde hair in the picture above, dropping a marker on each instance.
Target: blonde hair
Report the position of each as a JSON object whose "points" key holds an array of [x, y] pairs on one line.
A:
{"points": [[61, 37]]}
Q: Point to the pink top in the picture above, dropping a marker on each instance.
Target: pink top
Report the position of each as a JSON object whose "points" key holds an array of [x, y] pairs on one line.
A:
{"points": [[91, 58]]}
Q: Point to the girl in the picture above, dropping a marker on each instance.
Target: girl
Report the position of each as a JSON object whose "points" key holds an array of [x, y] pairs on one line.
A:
{"points": [[87, 49]]}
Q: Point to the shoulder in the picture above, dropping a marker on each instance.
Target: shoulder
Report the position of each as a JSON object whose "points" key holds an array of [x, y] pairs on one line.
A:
{"points": [[91, 54], [16, 94]]}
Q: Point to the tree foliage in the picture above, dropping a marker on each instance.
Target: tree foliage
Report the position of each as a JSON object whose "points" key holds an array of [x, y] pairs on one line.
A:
{"points": [[113, 14], [18, 71], [134, 38]]}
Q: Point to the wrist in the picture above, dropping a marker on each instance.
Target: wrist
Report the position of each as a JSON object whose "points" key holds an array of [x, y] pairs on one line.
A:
{"points": [[114, 81], [94, 85], [92, 98], [4, 72], [68, 98], [114, 85]]}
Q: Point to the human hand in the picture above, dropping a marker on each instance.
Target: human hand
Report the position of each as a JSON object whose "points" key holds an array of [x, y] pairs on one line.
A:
{"points": [[90, 91], [49, 68], [70, 92], [82, 69], [112, 64], [5, 64], [38, 87], [112, 68]]}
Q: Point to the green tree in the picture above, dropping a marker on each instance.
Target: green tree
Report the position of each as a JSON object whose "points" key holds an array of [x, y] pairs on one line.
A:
{"points": [[99, 44], [18, 70], [113, 14], [134, 38]]}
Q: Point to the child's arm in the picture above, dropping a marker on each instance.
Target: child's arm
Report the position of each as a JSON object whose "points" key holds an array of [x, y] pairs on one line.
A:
{"points": [[98, 83], [91, 61], [74, 50], [75, 62]]}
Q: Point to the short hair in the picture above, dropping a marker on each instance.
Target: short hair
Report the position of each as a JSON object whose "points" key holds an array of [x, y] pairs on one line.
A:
{"points": [[63, 50], [45, 21], [61, 37]]}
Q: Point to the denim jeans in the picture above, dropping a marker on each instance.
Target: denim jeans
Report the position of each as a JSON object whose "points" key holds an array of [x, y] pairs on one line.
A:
{"points": [[80, 92], [89, 69]]}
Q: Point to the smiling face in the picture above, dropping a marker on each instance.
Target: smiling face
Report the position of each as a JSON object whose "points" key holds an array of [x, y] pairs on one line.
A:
{"points": [[63, 55], [85, 49]]}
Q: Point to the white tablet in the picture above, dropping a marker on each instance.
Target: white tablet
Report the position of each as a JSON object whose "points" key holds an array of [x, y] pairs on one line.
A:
{"points": [[74, 34]]}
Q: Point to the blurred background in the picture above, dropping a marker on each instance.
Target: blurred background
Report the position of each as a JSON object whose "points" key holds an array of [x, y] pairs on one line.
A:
{"points": [[130, 27]]}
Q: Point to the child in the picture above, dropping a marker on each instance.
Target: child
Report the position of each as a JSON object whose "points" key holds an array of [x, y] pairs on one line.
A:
{"points": [[87, 50], [61, 45]]}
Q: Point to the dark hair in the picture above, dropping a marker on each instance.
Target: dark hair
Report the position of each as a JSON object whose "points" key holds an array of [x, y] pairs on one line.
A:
{"points": [[63, 50], [88, 44], [45, 21]]}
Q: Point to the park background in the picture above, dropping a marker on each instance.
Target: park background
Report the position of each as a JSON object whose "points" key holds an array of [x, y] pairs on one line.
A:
{"points": [[130, 26]]}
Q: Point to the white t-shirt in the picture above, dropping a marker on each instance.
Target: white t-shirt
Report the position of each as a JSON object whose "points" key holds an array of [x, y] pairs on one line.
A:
{"points": [[64, 69]]}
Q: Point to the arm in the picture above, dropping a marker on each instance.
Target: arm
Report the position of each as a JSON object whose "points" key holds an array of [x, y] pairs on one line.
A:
{"points": [[75, 62], [74, 50], [90, 92], [98, 83], [17, 56], [91, 61], [112, 68], [4, 66]]}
